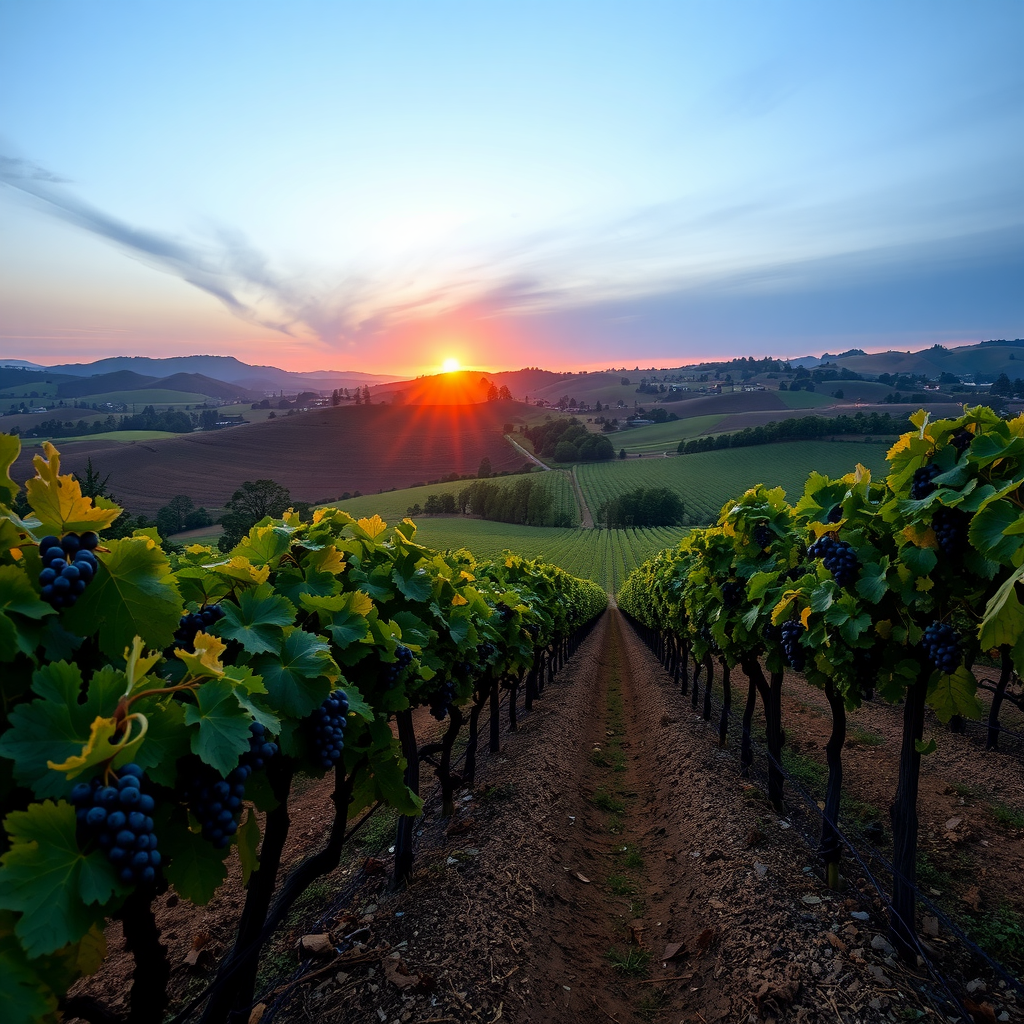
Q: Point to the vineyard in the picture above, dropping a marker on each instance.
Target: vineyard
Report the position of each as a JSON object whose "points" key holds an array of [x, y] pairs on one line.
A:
{"points": [[153, 708], [706, 480], [893, 588], [394, 505], [176, 722]]}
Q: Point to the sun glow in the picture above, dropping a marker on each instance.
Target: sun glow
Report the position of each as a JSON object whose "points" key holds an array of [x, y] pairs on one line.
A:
{"points": [[450, 365]]}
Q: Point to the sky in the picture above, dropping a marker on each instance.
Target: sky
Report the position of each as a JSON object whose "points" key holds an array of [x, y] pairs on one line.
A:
{"points": [[380, 187]]}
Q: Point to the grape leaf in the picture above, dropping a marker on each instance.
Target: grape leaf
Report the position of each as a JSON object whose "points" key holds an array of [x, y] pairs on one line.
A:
{"points": [[1004, 616], [263, 545], [343, 615], [415, 632], [47, 877], [16, 595], [257, 621], [223, 733], [414, 584], [58, 501], [248, 844], [192, 865], [166, 740], [57, 726], [10, 449], [987, 530], [131, 594], [954, 694], [296, 677], [25, 997], [104, 744]]}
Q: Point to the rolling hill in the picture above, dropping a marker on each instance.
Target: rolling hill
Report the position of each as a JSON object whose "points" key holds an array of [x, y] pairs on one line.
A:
{"points": [[318, 455]]}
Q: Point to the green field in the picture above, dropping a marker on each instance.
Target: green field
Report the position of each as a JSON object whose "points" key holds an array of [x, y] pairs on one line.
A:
{"points": [[108, 435], [811, 399], [606, 556], [706, 481], [660, 437], [157, 397], [394, 505]]}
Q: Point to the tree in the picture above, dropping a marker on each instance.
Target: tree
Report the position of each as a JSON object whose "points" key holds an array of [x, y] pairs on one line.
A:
{"points": [[485, 468], [504, 395], [622, 453], [173, 516], [92, 486], [253, 501], [366, 394], [1002, 386]]}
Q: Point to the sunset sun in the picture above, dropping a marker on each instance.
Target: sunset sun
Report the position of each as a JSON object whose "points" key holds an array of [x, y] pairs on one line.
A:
{"points": [[450, 365]]}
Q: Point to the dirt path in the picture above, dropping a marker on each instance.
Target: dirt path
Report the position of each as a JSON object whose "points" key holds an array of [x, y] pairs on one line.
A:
{"points": [[533, 458], [610, 865], [586, 518]]}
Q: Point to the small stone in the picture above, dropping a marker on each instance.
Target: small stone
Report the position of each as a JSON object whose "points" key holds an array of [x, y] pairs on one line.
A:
{"points": [[975, 985], [879, 943], [875, 1004], [859, 915], [930, 926], [1003, 1016], [760, 869], [880, 976], [811, 900]]}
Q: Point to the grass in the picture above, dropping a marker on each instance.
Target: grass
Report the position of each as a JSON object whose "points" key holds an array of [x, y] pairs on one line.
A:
{"points": [[652, 1003], [707, 480], [865, 738], [620, 885], [379, 831], [1009, 817], [1001, 934], [634, 962], [107, 435], [809, 773], [606, 802]]}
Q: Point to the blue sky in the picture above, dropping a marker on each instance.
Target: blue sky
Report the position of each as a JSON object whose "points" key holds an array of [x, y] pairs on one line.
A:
{"points": [[381, 186]]}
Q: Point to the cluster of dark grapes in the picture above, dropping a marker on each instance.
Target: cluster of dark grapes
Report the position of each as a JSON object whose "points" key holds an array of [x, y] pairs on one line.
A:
{"points": [[835, 514], [327, 726], [216, 800], [762, 536], [792, 630], [942, 643], [922, 485], [442, 699], [533, 629], [392, 670], [485, 651], [772, 634], [68, 565], [950, 526], [839, 557], [961, 440], [196, 622], [732, 593], [504, 611], [118, 818]]}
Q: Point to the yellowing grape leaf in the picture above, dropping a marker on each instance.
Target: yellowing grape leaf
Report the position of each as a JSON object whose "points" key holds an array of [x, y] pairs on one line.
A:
{"points": [[901, 445], [58, 501], [10, 449], [102, 746], [921, 537], [327, 560], [205, 663], [457, 600], [239, 568], [805, 616], [139, 663], [373, 527]]}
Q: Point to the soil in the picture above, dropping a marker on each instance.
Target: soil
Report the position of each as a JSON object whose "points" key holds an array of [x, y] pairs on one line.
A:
{"points": [[610, 864]]}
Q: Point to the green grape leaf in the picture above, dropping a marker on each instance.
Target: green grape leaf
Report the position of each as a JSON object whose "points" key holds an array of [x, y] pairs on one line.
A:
{"points": [[988, 530], [132, 594], [248, 840], [415, 632], [1003, 622], [25, 997], [263, 544], [192, 865], [198, 584], [925, 748], [57, 726], [296, 677], [293, 584], [46, 877], [872, 585], [920, 561], [954, 694], [223, 733], [17, 595], [356, 704], [166, 740], [258, 620], [414, 584]]}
